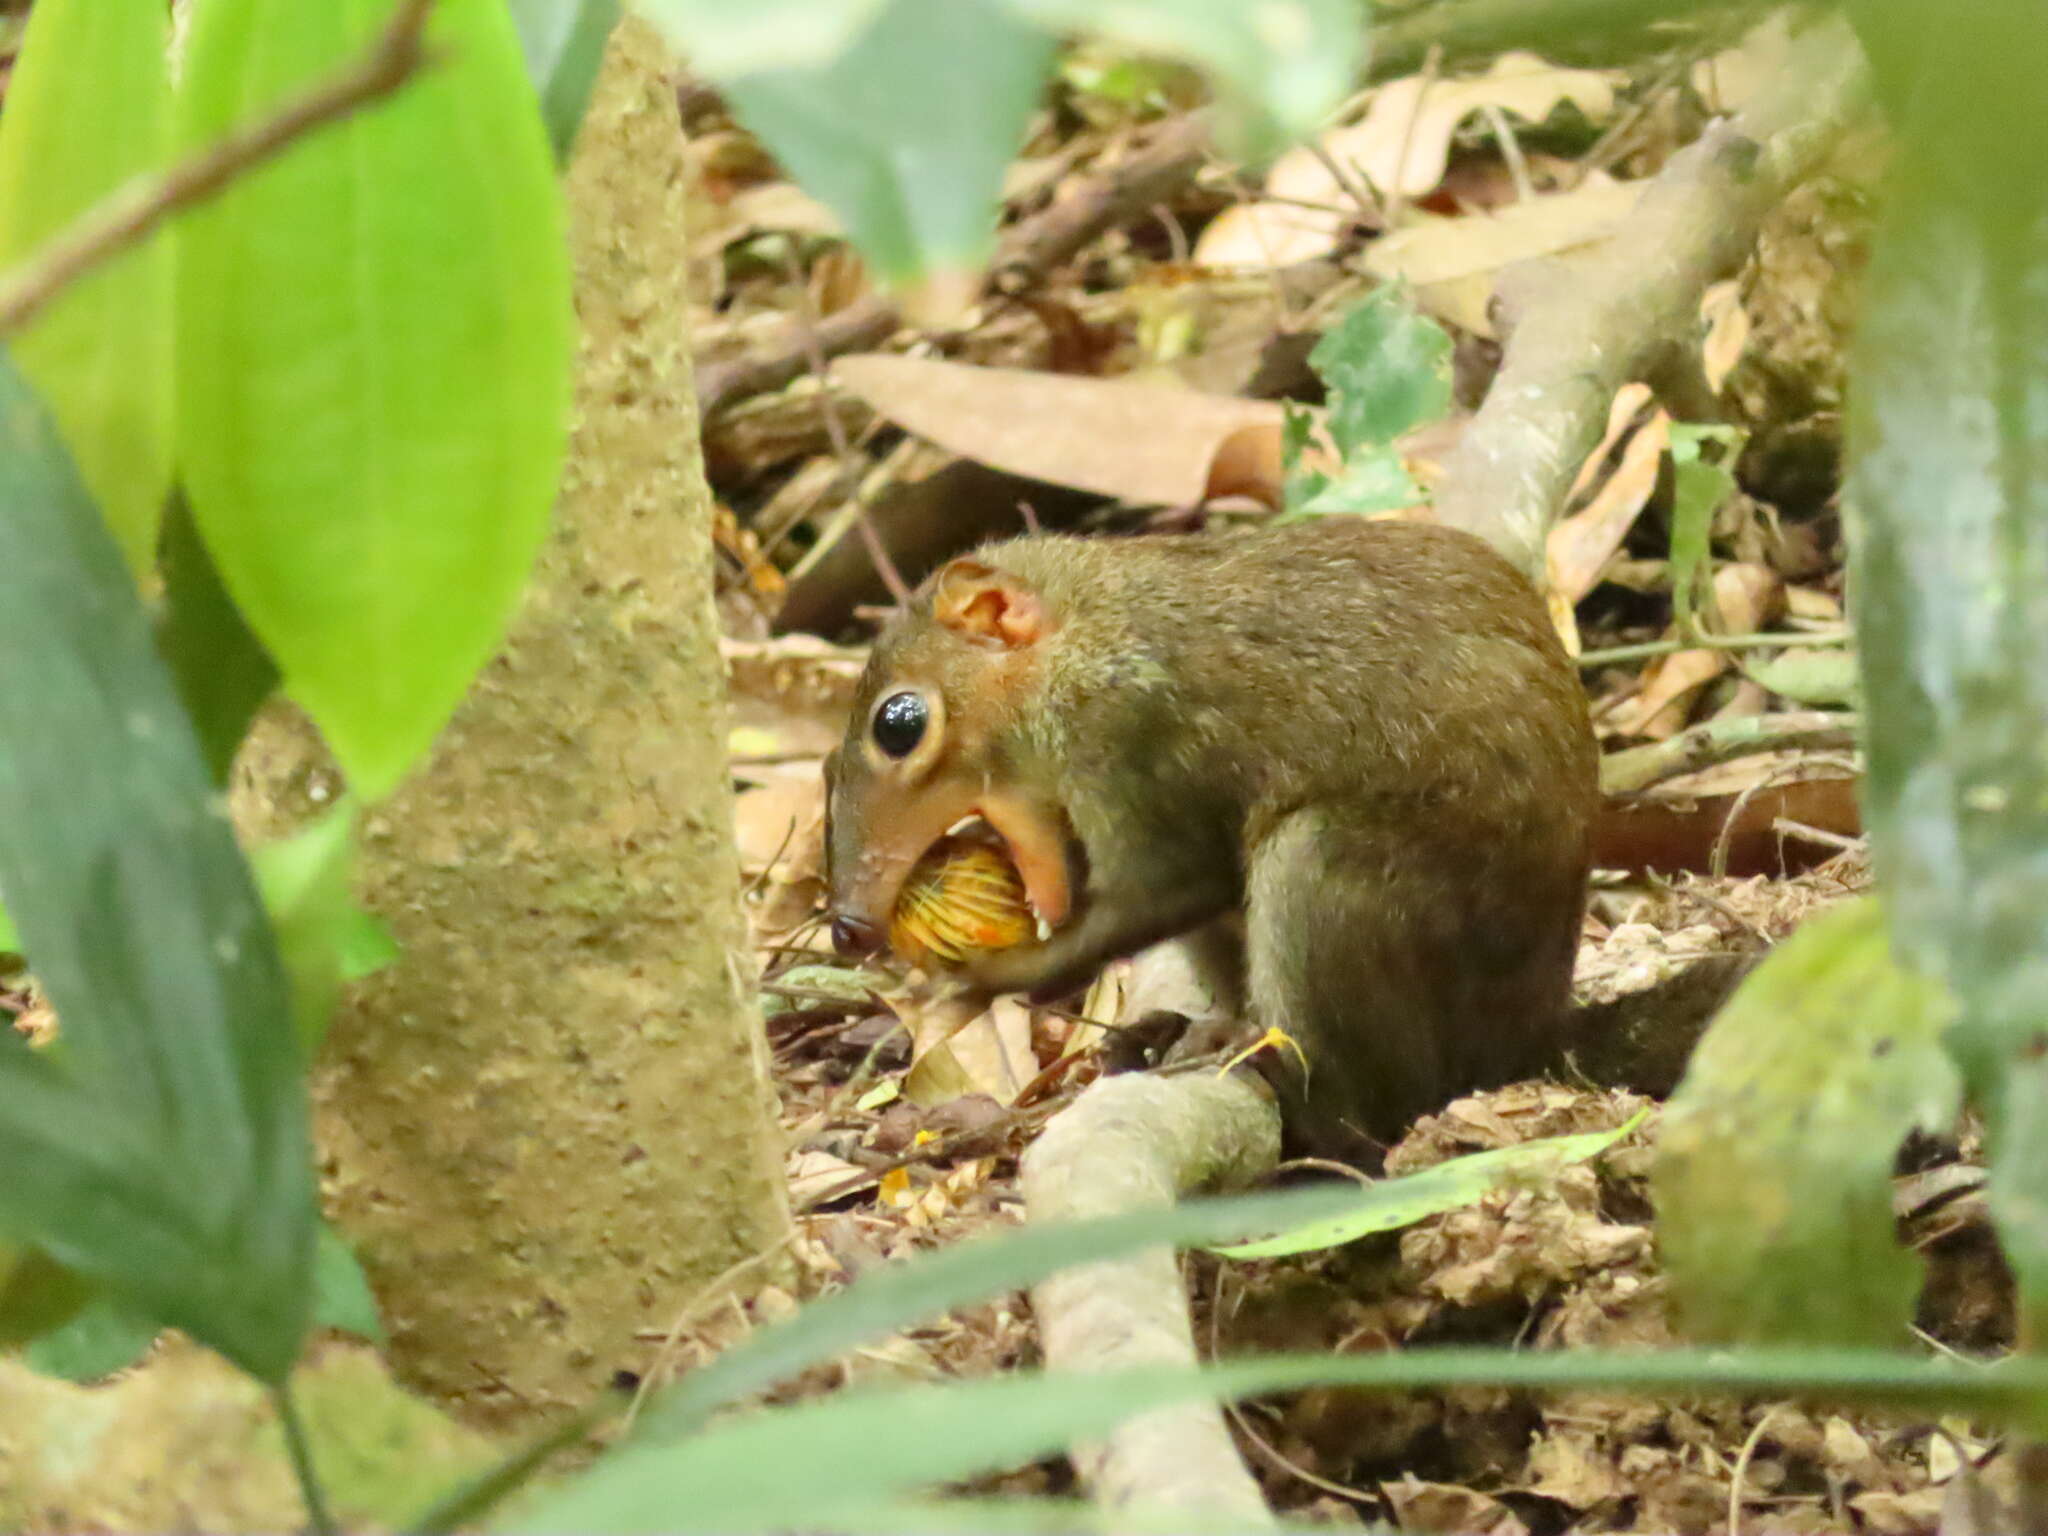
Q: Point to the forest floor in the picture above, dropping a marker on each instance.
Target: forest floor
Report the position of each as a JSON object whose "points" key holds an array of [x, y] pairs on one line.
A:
{"points": [[1133, 255]]}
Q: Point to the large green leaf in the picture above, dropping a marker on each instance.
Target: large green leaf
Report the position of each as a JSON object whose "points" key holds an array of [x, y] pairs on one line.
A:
{"points": [[168, 1156], [1773, 1175], [1279, 67], [374, 341], [802, 1468], [1386, 1205], [1948, 438], [722, 40], [906, 133], [88, 107], [564, 43]]}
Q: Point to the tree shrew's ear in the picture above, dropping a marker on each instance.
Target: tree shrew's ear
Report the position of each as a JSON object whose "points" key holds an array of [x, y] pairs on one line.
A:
{"points": [[987, 606]]}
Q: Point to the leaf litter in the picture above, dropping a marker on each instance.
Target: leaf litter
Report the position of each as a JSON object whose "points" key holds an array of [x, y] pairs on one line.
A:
{"points": [[1194, 314]]}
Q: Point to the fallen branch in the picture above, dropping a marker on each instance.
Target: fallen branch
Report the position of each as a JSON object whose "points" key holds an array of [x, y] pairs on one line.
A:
{"points": [[127, 214], [1131, 1143], [1581, 325], [1026, 251], [1722, 741]]}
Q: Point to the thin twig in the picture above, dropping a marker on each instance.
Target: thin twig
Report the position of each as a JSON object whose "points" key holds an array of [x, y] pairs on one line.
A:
{"points": [[835, 429], [1740, 1474], [1717, 864], [1799, 831], [1705, 642], [1510, 151], [124, 216], [318, 1516], [1397, 194]]}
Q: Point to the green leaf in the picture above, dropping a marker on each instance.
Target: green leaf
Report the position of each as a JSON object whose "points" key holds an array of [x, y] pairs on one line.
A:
{"points": [[374, 344], [100, 355], [1948, 491], [169, 1160], [10, 941], [1280, 69], [342, 1298], [1700, 485], [223, 673], [1774, 1164], [1807, 675], [564, 43], [804, 1467], [1389, 1204], [1388, 369], [1373, 480], [722, 40], [324, 938], [906, 133], [105, 1337]]}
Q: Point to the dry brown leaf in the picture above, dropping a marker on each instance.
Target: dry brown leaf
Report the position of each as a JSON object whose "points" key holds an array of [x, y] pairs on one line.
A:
{"points": [[813, 1173], [777, 819], [1142, 443], [1403, 143], [1580, 546], [1729, 80], [1628, 403], [956, 1054], [1728, 328], [1446, 1507], [1453, 262], [1746, 597]]}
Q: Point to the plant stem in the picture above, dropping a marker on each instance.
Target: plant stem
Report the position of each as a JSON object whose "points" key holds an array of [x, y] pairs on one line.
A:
{"points": [[1672, 646], [124, 216], [301, 1452]]}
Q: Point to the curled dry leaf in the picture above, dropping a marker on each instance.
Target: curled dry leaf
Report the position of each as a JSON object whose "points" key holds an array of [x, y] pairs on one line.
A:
{"points": [[1401, 147], [1727, 331], [1580, 546], [1453, 263], [1746, 598], [1148, 444]]}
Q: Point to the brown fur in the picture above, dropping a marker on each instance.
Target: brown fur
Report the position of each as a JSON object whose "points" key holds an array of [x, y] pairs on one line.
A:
{"points": [[1362, 735]]}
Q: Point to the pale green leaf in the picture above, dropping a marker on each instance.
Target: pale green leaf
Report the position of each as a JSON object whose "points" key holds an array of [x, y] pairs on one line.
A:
{"points": [[905, 134], [88, 108], [374, 342], [722, 40], [1773, 1174], [1390, 1204]]}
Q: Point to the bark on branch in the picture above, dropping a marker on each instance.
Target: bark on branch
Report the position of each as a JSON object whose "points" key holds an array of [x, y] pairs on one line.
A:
{"points": [[1582, 325]]}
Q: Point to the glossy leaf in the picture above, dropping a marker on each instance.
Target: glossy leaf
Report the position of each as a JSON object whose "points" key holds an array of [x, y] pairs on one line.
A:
{"points": [[906, 133], [801, 1468], [100, 355], [167, 1157], [564, 43], [374, 340], [1948, 443], [1390, 1204], [1774, 1163]]}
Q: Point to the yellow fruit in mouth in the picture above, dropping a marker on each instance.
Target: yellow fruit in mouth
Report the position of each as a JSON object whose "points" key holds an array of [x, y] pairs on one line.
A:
{"points": [[959, 898]]}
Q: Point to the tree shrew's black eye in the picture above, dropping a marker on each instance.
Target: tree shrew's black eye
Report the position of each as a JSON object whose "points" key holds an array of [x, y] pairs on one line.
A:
{"points": [[899, 723]]}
